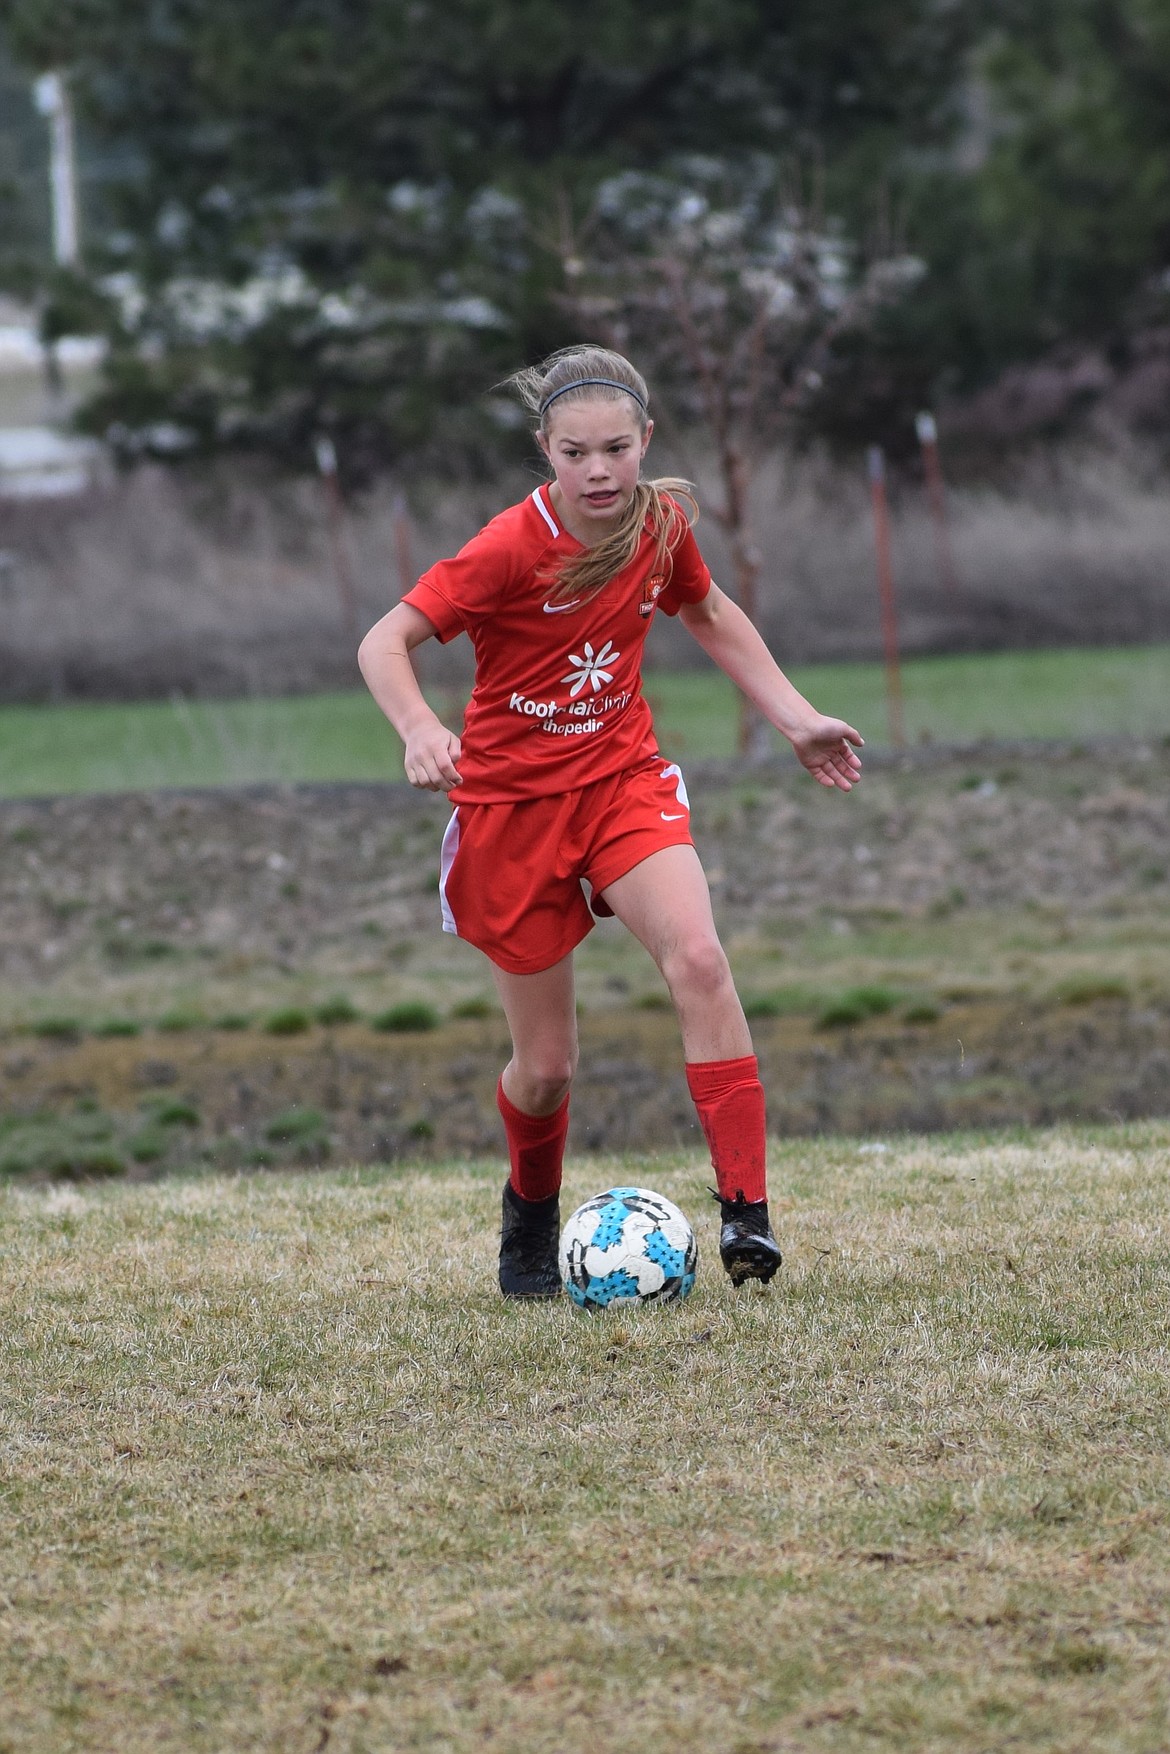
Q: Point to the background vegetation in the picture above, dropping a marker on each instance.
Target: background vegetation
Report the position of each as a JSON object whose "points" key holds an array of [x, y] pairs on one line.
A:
{"points": [[352, 218]]}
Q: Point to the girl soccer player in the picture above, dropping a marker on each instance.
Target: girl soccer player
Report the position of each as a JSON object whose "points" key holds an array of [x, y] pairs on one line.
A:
{"points": [[557, 781]]}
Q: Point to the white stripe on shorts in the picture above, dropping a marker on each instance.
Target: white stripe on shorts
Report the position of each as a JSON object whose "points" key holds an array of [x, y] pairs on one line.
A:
{"points": [[446, 859], [674, 772]]}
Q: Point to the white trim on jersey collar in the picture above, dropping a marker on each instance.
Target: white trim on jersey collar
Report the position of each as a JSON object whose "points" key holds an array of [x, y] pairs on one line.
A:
{"points": [[538, 497]]}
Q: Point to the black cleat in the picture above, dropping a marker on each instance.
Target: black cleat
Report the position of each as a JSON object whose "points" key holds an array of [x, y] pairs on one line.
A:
{"points": [[529, 1238], [747, 1247]]}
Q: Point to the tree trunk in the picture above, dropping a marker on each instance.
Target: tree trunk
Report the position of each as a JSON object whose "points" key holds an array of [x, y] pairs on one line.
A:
{"points": [[752, 737]]}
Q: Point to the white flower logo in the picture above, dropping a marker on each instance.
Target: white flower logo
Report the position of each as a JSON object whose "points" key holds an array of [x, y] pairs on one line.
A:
{"points": [[590, 667]]}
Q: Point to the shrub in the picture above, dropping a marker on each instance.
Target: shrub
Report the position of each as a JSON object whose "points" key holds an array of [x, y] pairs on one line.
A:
{"points": [[177, 1114], [233, 1020], [414, 1016], [841, 1014], [783, 1002], [922, 1011], [291, 1020], [478, 1007], [306, 1127], [117, 1026], [337, 1010], [57, 1029], [1085, 989], [655, 1001], [177, 1021], [130, 949], [148, 1146], [96, 1161], [856, 1005]]}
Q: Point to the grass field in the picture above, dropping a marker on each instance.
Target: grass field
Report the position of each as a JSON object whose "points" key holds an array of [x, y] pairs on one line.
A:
{"points": [[342, 736], [283, 1473]]}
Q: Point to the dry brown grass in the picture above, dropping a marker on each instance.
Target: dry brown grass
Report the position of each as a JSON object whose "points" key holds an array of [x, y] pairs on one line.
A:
{"points": [[1068, 550], [283, 1473], [225, 584]]}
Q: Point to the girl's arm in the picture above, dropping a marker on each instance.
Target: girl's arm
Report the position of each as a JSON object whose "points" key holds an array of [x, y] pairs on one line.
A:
{"points": [[384, 657], [824, 746]]}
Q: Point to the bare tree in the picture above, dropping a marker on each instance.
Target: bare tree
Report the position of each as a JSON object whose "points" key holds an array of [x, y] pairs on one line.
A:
{"points": [[735, 289]]}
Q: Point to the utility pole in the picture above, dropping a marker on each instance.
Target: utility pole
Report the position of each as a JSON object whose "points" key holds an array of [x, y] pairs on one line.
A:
{"points": [[53, 101]]}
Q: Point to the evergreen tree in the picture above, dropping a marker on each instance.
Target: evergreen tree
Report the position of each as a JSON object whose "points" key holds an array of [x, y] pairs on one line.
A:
{"points": [[342, 216]]}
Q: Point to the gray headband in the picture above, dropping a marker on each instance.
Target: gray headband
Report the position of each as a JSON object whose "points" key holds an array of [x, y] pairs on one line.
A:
{"points": [[583, 383]]}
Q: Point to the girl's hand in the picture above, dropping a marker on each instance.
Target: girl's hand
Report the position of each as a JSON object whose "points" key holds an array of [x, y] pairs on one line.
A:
{"points": [[431, 754], [825, 748]]}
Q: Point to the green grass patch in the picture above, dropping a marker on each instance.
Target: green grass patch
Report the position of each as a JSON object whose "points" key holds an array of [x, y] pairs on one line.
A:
{"points": [[179, 1020], [171, 1113], [280, 1440], [60, 1146], [338, 1009], [1087, 989], [303, 1132], [68, 1029], [295, 1124], [289, 1020], [1070, 694], [150, 1145], [789, 1001], [857, 1004], [409, 1018], [475, 1007], [128, 949]]}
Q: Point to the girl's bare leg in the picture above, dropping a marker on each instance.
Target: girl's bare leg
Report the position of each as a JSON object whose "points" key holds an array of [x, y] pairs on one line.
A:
{"points": [[542, 1017], [666, 904]]}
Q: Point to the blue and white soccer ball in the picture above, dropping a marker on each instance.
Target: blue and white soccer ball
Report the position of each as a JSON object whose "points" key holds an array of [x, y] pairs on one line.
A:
{"points": [[627, 1246]]}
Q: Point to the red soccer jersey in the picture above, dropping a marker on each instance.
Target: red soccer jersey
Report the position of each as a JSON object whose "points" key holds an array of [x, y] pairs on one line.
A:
{"points": [[558, 700]]}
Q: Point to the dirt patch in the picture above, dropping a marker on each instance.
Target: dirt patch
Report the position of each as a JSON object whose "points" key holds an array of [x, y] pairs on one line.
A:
{"points": [[348, 1096], [974, 938]]}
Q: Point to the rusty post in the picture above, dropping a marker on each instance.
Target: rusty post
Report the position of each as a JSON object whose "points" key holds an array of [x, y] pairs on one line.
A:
{"points": [[885, 572], [403, 546]]}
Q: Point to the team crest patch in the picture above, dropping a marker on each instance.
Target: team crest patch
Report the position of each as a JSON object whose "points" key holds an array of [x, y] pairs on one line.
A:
{"points": [[651, 591]]}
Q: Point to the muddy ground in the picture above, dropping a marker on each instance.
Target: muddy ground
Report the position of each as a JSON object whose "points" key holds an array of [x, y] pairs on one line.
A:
{"points": [[974, 938]]}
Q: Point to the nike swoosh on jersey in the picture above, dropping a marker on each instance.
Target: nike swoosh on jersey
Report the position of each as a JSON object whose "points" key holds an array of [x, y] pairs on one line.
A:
{"points": [[675, 818], [560, 608]]}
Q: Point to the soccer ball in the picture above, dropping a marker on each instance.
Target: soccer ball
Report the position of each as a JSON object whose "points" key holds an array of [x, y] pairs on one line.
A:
{"points": [[627, 1246]]}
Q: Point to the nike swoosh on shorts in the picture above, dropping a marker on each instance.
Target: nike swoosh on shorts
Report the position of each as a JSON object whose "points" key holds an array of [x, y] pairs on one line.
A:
{"points": [[560, 608], [676, 818]]}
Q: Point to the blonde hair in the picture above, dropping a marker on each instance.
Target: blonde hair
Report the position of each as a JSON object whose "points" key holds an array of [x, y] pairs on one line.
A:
{"points": [[582, 374]]}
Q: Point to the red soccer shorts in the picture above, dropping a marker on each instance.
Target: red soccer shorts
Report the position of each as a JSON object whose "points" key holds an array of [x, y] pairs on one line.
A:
{"points": [[511, 874]]}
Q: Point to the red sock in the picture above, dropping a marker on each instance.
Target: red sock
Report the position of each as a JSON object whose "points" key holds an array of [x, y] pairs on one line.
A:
{"points": [[730, 1100], [536, 1146]]}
